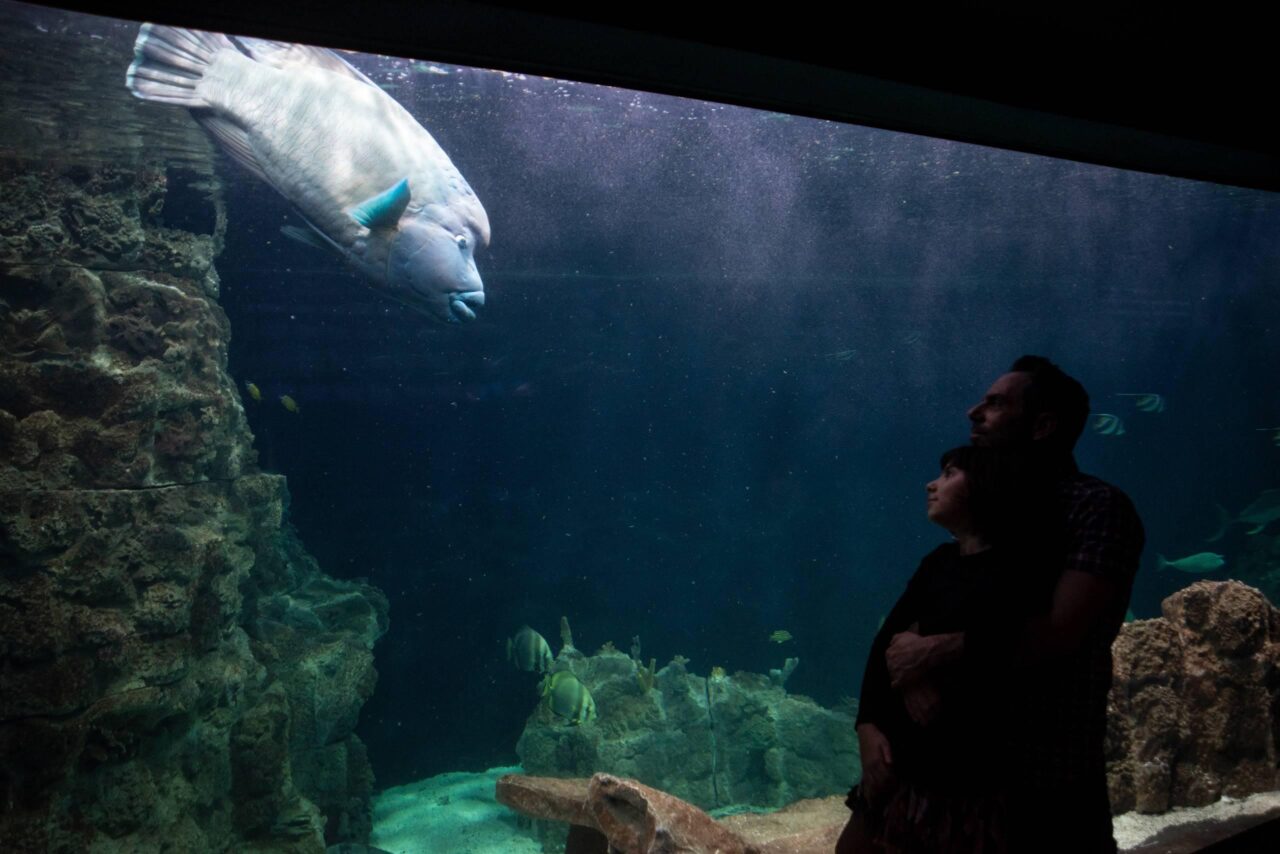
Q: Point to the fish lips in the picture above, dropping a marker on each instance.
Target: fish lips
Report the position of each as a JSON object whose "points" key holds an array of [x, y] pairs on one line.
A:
{"points": [[462, 305]]}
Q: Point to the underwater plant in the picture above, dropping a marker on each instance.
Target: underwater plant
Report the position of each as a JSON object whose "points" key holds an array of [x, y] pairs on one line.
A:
{"points": [[566, 635], [780, 677], [646, 675]]}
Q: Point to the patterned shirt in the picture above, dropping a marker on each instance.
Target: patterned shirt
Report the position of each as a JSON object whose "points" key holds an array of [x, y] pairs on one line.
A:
{"points": [[1060, 742]]}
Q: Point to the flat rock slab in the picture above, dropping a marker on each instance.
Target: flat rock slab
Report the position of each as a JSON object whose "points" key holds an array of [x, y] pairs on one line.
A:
{"points": [[637, 819], [811, 825], [546, 797]]}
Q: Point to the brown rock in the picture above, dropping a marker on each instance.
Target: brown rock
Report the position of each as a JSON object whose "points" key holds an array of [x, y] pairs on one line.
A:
{"points": [[641, 820], [806, 827], [546, 797], [636, 819], [1194, 711]]}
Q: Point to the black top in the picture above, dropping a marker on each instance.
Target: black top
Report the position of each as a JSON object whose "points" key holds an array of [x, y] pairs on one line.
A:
{"points": [[996, 589]]}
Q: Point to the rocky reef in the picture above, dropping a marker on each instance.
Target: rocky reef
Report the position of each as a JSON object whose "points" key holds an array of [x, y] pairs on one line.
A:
{"points": [[1194, 715], [1195, 705], [176, 673], [712, 741]]}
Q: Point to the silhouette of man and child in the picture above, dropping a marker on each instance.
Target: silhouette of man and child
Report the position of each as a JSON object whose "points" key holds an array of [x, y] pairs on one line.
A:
{"points": [[983, 704]]}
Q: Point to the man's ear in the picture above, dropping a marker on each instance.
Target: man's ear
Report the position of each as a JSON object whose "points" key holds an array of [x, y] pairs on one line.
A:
{"points": [[1046, 425]]}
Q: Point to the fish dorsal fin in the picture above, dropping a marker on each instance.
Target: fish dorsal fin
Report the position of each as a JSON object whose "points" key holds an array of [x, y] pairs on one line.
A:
{"points": [[288, 55], [384, 209]]}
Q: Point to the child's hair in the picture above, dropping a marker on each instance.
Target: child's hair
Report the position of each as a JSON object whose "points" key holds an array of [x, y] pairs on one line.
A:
{"points": [[1008, 502]]}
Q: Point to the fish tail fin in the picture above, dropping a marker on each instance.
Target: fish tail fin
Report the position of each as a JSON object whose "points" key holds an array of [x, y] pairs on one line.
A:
{"points": [[169, 63], [1161, 562], [1224, 521]]}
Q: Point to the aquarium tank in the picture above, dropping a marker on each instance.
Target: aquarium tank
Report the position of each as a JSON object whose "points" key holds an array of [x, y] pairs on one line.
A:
{"points": [[372, 428]]}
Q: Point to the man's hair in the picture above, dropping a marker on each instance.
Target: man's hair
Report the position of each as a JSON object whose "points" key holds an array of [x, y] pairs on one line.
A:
{"points": [[1006, 497], [1051, 389]]}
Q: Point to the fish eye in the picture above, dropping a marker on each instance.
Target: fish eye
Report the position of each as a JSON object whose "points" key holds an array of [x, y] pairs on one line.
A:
{"points": [[461, 240]]}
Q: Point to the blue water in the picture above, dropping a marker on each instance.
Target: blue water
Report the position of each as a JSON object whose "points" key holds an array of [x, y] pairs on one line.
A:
{"points": [[721, 353]]}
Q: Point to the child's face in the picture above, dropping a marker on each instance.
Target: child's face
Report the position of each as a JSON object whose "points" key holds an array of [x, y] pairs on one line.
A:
{"points": [[948, 501]]}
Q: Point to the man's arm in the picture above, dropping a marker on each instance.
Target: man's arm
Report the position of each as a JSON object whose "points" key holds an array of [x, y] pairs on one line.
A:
{"points": [[1080, 599], [1104, 539]]}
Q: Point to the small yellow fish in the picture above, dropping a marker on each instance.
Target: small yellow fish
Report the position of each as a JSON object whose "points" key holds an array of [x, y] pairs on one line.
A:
{"points": [[1107, 424], [254, 391], [780, 636], [289, 403]]}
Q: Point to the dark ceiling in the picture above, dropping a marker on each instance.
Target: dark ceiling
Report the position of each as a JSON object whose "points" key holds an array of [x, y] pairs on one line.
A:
{"points": [[1139, 87]]}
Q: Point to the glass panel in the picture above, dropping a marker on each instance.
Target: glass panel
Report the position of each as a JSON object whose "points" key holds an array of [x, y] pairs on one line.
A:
{"points": [[718, 354]]}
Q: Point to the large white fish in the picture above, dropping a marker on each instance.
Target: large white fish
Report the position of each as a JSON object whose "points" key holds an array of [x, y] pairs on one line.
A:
{"points": [[1264, 510], [369, 180]]}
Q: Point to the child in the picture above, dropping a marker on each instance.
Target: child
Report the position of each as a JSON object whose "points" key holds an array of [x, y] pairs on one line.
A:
{"points": [[934, 755]]}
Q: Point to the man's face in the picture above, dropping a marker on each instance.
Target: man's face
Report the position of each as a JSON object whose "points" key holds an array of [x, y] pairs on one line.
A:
{"points": [[999, 420]]}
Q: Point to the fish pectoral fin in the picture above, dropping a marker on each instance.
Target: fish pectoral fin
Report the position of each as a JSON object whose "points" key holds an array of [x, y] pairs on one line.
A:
{"points": [[384, 209], [234, 141], [305, 236]]}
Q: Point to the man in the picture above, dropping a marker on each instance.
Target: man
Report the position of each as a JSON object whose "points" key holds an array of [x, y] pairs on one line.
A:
{"points": [[1063, 658]]}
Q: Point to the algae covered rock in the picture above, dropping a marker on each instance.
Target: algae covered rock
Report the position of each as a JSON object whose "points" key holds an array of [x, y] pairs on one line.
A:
{"points": [[176, 673], [737, 739]]}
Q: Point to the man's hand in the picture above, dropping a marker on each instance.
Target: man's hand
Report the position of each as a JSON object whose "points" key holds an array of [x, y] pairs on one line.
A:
{"points": [[877, 761], [911, 658], [908, 659], [922, 700]]}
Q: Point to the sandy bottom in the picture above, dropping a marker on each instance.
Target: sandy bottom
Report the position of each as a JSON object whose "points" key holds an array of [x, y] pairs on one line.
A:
{"points": [[456, 814], [449, 814], [1132, 829]]}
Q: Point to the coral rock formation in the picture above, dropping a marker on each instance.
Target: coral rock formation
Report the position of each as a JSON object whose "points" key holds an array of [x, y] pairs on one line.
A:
{"points": [[737, 739], [1195, 706], [175, 672]]}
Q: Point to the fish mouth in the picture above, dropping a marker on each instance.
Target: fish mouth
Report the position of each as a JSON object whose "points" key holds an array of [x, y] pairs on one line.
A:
{"points": [[462, 305]]}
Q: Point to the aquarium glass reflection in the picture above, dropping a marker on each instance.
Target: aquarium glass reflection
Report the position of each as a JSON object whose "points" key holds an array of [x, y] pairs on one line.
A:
{"points": [[653, 386]]}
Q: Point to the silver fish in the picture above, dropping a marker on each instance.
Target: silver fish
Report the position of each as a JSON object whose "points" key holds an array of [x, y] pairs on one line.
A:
{"points": [[1107, 424], [568, 698], [1146, 401], [1196, 563], [1264, 510], [529, 650], [369, 180]]}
